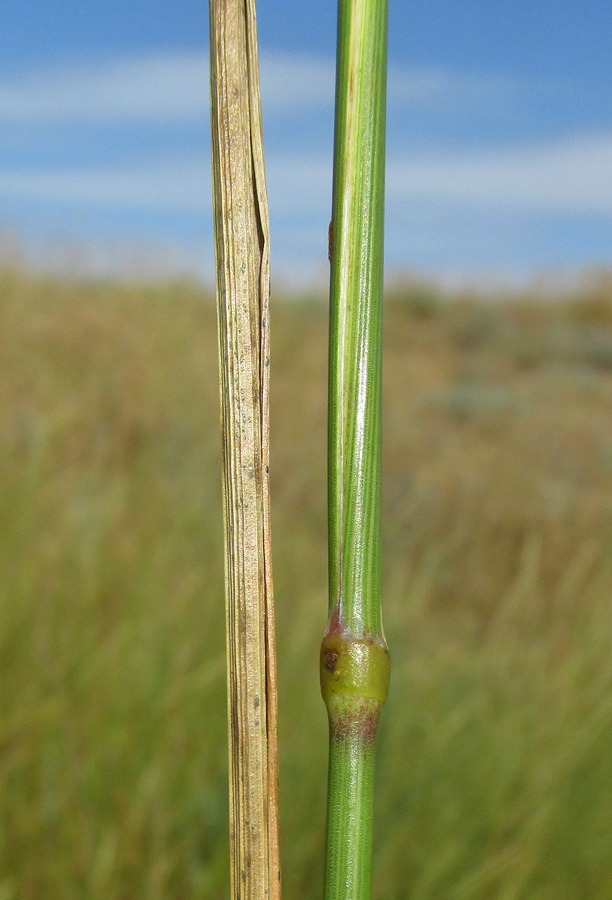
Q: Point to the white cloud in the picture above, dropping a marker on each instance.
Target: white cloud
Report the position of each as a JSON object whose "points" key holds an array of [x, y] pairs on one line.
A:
{"points": [[571, 176], [177, 185], [171, 87], [163, 88], [299, 183], [159, 88], [296, 83], [430, 85]]}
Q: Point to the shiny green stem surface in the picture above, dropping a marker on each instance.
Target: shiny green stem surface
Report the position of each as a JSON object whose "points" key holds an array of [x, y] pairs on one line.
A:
{"points": [[355, 354], [348, 864], [354, 655]]}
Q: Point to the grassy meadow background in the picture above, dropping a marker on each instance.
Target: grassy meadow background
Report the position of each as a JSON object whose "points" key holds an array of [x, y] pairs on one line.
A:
{"points": [[495, 754]]}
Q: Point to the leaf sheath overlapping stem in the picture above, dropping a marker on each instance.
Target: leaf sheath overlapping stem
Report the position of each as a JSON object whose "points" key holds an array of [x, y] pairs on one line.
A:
{"points": [[354, 656]]}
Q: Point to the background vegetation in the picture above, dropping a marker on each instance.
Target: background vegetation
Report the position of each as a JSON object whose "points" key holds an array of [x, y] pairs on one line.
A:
{"points": [[495, 758]]}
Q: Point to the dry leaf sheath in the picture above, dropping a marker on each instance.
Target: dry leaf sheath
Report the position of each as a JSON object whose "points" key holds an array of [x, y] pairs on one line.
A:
{"points": [[241, 249]]}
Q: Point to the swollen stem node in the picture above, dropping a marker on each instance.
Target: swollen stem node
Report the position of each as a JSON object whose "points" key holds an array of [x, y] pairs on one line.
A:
{"points": [[354, 682]]}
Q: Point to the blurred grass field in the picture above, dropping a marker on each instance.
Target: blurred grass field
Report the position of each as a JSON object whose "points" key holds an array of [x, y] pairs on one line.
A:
{"points": [[495, 752]]}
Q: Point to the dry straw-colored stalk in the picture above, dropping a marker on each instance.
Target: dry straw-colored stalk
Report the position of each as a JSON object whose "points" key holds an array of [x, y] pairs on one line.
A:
{"points": [[241, 249]]}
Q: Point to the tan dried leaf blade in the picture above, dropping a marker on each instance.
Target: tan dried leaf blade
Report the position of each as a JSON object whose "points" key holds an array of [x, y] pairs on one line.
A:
{"points": [[241, 248]]}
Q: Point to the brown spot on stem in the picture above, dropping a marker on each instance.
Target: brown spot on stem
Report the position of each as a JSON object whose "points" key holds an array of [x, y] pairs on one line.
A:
{"points": [[331, 658]]}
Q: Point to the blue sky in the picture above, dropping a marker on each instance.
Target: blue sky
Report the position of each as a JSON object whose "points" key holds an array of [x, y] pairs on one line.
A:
{"points": [[499, 157]]}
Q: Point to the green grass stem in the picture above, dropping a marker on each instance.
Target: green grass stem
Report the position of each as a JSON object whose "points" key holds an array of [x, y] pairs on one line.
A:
{"points": [[354, 656]]}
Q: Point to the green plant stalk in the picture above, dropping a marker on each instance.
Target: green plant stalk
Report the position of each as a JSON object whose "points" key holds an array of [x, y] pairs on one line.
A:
{"points": [[354, 657]]}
